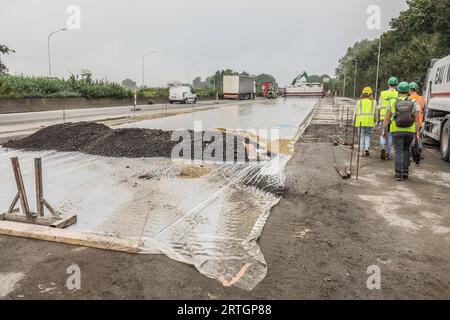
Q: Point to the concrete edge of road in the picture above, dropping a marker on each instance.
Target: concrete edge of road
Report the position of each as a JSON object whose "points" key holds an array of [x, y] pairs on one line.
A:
{"points": [[84, 239]]}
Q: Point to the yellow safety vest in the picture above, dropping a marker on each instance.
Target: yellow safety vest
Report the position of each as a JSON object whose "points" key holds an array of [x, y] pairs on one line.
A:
{"points": [[385, 98], [365, 113], [394, 127]]}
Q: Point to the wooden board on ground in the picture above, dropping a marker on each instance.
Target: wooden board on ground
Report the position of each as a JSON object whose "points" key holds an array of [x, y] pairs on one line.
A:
{"points": [[32, 231], [55, 222]]}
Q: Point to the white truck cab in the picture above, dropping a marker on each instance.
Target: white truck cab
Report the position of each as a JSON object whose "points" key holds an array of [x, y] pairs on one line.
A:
{"points": [[436, 96], [181, 94]]}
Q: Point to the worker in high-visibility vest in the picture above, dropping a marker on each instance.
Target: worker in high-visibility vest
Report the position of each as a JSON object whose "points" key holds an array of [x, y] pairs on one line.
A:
{"points": [[404, 118], [383, 105], [364, 116], [414, 94]]}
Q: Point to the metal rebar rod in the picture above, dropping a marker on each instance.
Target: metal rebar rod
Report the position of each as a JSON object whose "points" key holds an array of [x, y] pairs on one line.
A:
{"points": [[359, 151]]}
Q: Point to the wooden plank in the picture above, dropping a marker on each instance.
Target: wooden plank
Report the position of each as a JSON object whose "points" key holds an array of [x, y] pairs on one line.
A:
{"points": [[66, 236], [20, 185], [29, 219], [13, 204], [65, 222], [345, 174], [50, 208], [39, 186]]}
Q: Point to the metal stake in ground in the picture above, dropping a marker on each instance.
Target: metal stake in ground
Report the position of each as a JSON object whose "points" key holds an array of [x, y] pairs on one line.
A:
{"points": [[353, 146], [346, 125], [359, 151]]}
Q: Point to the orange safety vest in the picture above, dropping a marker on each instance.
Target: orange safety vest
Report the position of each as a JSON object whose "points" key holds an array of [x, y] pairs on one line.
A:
{"points": [[419, 100]]}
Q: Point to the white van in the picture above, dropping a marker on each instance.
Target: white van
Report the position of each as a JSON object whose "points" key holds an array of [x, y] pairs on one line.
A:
{"points": [[181, 94]]}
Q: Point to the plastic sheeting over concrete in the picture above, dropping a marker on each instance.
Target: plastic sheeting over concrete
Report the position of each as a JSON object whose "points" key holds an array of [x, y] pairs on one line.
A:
{"points": [[205, 214]]}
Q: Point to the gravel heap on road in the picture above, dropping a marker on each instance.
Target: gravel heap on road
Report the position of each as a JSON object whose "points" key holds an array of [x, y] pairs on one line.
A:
{"points": [[61, 137], [98, 139]]}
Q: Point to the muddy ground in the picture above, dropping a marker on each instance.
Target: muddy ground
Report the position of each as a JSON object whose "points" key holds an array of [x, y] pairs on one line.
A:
{"points": [[318, 242]]}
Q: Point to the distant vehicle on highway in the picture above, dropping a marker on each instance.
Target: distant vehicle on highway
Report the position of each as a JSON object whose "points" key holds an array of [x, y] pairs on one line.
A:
{"points": [[304, 88], [181, 94], [239, 87], [269, 90], [436, 96]]}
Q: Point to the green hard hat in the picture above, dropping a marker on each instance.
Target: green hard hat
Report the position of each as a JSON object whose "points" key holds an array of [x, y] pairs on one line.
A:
{"points": [[403, 87], [414, 86], [393, 81]]}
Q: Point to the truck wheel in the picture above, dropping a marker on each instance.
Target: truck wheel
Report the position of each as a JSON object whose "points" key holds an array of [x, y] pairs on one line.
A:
{"points": [[445, 141]]}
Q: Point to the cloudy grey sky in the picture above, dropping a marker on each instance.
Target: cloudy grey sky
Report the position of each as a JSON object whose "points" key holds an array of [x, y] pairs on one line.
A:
{"points": [[279, 37]]}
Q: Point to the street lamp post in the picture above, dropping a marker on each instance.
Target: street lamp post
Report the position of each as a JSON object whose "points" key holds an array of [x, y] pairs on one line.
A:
{"points": [[354, 84], [345, 79], [143, 66], [378, 70], [49, 50]]}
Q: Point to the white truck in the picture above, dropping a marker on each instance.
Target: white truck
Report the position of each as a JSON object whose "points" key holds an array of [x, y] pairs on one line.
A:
{"points": [[239, 87], [436, 95], [181, 94]]}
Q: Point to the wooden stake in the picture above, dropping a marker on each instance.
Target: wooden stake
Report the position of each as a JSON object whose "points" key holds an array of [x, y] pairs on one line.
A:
{"points": [[39, 186], [49, 207], [20, 186]]}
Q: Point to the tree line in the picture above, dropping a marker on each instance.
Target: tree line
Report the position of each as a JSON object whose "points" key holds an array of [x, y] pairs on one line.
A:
{"points": [[419, 34]]}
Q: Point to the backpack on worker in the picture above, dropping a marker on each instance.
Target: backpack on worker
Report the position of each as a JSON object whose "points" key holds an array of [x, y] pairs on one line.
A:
{"points": [[405, 113]]}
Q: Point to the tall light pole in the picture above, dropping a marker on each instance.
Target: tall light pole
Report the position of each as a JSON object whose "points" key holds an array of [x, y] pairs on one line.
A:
{"points": [[143, 66], [345, 78], [354, 84], [378, 70], [49, 50], [189, 71]]}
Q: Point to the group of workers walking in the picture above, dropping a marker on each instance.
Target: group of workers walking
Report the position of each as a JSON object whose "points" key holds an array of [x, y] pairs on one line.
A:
{"points": [[399, 115]]}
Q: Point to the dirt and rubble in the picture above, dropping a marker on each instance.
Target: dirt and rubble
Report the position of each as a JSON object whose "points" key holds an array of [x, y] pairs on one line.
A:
{"points": [[98, 139], [319, 241]]}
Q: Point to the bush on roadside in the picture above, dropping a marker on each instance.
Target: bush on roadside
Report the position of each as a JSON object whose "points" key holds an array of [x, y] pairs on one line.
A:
{"points": [[43, 87], [153, 92]]}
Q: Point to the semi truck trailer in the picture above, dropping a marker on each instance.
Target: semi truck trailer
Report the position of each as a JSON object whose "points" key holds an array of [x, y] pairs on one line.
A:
{"points": [[436, 96], [239, 87]]}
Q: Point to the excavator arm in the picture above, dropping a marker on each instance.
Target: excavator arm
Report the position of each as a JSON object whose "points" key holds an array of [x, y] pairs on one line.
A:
{"points": [[303, 75]]}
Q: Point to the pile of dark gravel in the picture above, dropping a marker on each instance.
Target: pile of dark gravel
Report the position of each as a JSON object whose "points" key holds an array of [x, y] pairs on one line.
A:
{"points": [[98, 139], [61, 137]]}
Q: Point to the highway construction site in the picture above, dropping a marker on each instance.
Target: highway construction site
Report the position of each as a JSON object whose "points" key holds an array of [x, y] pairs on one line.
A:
{"points": [[149, 225]]}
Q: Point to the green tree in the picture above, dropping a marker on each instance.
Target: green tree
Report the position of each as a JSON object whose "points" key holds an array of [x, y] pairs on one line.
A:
{"points": [[419, 34], [4, 50], [263, 77], [129, 84], [86, 75]]}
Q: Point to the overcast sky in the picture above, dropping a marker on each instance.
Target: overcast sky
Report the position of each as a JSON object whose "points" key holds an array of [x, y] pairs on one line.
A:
{"points": [[278, 37]]}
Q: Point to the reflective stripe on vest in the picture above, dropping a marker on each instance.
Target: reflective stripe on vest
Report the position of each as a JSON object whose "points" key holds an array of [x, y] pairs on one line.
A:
{"points": [[365, 113], [386, 97]]}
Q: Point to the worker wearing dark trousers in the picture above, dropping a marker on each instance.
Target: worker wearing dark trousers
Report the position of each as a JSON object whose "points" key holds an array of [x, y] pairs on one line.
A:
{"points": [[402, 146], [404, 117]]}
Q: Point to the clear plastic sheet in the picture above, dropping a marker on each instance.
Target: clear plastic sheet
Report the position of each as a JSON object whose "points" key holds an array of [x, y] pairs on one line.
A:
{"points": [[211, 219]]}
